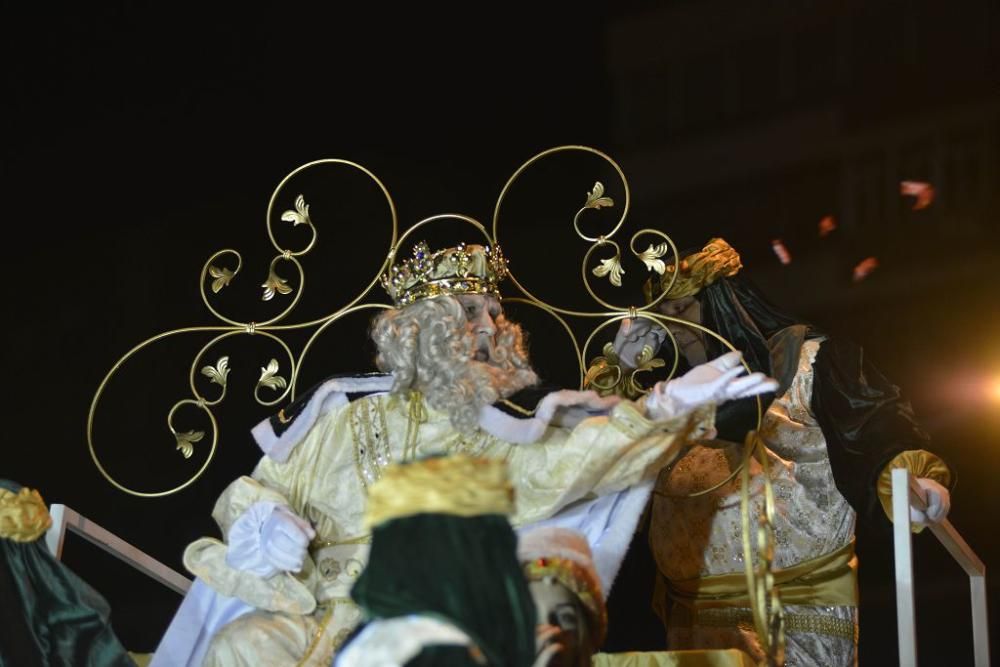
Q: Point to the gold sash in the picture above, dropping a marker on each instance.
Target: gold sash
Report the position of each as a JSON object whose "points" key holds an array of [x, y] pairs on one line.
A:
{"points": [[707, 658], [827, 580]]}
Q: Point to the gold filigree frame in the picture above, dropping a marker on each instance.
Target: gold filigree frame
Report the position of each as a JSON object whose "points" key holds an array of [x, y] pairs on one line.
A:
{"points": [[766, 606]]}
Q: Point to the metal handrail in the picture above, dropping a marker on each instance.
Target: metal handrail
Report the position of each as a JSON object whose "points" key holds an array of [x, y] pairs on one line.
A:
{"points": [[64, 518], [906, 491]]}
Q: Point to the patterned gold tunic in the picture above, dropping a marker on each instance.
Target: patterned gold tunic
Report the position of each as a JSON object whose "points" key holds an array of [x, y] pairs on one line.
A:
{"points": [[695, 538]]}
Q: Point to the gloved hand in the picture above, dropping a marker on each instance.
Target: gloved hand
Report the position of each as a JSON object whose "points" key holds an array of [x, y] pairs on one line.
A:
{"points": [[268, 538], [716, 381], [284, 539], [635, 333], [938, 503]]}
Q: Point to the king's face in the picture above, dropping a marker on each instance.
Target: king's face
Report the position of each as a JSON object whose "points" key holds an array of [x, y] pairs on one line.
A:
{"points": [[481, 313]]}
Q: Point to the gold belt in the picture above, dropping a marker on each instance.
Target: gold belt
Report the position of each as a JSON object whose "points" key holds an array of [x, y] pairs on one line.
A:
{"points": [[729, 617]]}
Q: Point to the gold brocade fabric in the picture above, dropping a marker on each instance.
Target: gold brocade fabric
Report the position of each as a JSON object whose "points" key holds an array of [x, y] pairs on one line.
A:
{"points": [[262, 638], [23, 515], [710, 658], [920, 463], [326, 480], [742, 619], [700, 538]]}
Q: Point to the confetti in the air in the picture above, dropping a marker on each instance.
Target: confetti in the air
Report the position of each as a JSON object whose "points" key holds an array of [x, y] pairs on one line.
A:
{"points": [[864, 268], [827, 225], [923, 191], [781, 251]]}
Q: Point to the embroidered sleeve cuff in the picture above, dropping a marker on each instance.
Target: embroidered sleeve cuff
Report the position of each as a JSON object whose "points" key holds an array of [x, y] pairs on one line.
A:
{"points": [[920, 463], [206, 559], [631, 418]]}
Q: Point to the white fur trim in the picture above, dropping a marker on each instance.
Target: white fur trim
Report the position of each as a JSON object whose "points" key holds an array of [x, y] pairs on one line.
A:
{"points": [[395, 641], [328, 396], [332, 394]]}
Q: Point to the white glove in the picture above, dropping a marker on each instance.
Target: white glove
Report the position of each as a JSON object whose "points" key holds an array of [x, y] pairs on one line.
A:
{"points": [[268, 538], [716, 381], [284, 539], [938, 503]]}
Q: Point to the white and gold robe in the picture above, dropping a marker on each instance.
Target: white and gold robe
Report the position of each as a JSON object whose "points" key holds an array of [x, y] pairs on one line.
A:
{"points": [[321, 465]]}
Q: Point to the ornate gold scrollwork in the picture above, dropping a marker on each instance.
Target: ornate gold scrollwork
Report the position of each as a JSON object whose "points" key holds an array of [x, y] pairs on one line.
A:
{"points": [[274, 386]]}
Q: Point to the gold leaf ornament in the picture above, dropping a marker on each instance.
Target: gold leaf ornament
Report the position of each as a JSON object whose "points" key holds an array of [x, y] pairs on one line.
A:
{"points": [[186, 440], [275, 284], [612, 268], [651, 257], [646, 362], [300, 216], [607, 375], [269, 377], [222, 277], [596, 198], [218, 373]]}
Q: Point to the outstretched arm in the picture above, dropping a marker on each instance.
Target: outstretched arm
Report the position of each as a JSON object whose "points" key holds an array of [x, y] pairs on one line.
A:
{"points": [[630, 445]]}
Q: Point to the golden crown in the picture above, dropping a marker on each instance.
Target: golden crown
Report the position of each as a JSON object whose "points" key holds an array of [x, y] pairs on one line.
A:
{"points": [[463, 269]]}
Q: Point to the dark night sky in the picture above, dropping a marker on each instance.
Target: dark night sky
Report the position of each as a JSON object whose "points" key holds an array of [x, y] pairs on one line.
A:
{"points": [[140, 140]]}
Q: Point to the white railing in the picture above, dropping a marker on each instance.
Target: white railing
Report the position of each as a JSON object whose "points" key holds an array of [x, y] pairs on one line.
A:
{"points": [[905, 491], [64, 518]]}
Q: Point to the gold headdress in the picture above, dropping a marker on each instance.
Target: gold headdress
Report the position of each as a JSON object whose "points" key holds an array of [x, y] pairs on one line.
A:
{"points": [[464, 269], [716, 260], [23, 515], [460, 485]]}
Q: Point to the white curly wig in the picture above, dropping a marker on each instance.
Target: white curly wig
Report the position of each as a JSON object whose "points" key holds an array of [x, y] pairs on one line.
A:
{"points": [[427, 347]]}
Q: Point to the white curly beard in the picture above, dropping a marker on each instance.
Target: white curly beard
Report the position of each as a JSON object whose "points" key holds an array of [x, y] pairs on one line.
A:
{"points": [[427, 347]]}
